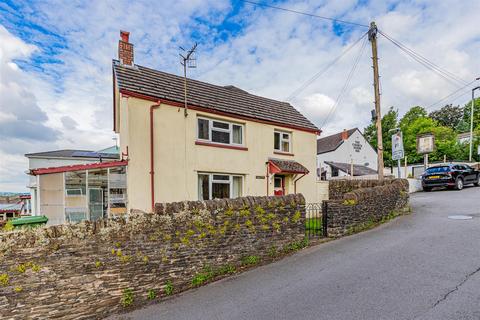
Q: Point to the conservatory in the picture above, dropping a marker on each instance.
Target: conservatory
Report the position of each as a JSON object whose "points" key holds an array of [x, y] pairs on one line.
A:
{"points": [[82, 192]]}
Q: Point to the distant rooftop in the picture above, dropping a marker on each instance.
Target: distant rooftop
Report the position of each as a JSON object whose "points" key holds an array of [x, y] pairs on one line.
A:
{"points": [[332, 142]]}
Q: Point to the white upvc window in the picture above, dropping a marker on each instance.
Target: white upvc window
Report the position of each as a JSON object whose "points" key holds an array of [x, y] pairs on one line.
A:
{"points": [[218, 186], [282, 141], [219, 131]]}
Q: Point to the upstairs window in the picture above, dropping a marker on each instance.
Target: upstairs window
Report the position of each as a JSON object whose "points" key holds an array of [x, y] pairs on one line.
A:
{"points": [[282, 141], [217, 131]]}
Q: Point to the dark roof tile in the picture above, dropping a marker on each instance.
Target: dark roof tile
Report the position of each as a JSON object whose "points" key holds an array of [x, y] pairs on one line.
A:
{"points": [[229, 99]]}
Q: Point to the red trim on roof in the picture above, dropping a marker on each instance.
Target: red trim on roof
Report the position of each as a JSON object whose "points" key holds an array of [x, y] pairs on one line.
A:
{"points": [[97, 165], [227, 114]]}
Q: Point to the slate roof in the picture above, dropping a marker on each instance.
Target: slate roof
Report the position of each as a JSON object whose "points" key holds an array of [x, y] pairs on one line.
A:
{"points": [[228, 99], [289, 166], [69, 153], [358, 170], [331, 143]]}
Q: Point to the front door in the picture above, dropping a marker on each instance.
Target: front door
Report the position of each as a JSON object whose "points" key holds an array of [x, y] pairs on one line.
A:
{"points": [[279, 185]]}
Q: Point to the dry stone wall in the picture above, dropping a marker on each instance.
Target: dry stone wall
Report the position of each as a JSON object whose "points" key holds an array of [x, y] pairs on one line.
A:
{"points": [[337, 188], [365, 205], [88, 270]]}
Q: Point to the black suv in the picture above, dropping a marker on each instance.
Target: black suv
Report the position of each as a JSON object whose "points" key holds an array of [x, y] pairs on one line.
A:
{"points": [[453, 176]]}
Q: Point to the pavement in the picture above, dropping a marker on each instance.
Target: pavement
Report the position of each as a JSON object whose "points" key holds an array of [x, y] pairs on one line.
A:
{"points": [[420, 266]]}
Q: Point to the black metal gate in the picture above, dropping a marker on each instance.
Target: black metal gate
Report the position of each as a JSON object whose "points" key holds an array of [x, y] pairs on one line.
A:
{"points": [[315, 220]]}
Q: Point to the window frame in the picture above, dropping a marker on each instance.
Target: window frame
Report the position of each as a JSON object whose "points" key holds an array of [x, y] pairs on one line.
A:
{"points": [[229, 182], [229, 131], [281, 140]]}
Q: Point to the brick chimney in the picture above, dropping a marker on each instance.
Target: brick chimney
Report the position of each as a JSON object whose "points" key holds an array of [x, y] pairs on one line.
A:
{"points": [[344, 135], [125, 49]]}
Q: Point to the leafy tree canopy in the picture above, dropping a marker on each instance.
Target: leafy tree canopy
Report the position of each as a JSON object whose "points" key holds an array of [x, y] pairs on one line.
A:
{"points": [[413, 114], [448, 116]]}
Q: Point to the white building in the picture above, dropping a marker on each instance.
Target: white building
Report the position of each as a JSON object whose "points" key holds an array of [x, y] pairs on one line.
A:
{"points": [[337, 153], [61, 158]]}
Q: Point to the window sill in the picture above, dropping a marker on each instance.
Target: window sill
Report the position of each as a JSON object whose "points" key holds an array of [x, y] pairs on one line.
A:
{"points": [[283, 153], [217, 145]]}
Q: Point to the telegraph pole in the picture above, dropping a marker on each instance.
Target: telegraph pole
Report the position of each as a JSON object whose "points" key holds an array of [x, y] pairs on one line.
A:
{"points": [[372, 37], [471, 122]]}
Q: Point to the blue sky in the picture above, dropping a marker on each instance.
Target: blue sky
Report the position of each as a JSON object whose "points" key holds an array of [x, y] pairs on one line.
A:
{"points": [[55, 60]]}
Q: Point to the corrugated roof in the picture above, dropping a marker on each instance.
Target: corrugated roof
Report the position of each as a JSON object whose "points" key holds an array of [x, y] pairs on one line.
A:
{"points": [[69, 153], [228, 99], [331, 143], [358, 170]]}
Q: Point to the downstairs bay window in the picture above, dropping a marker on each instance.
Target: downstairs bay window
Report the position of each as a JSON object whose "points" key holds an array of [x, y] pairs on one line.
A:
{"points": [[218, 186]]}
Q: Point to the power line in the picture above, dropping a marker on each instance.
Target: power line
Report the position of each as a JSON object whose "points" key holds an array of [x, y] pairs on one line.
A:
{"points": [[450, 77], [297, 91], [451, 94], [305, 13], [421, 59], [346, 84]]}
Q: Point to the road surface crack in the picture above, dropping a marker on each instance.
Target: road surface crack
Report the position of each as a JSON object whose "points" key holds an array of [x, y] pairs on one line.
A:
{"points": [[445, 296]]}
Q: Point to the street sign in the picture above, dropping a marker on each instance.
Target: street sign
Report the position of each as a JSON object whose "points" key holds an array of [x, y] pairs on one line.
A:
{"points": [[397, 146], [425, 143]]}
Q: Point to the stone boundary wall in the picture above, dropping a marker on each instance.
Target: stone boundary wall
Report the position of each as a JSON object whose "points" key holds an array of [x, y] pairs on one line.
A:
{"points": [[338, 187], [83, 271], [366, 205]]}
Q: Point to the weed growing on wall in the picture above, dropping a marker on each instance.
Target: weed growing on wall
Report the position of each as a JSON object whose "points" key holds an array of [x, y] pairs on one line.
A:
{"points": [[8, 226], [4, 279], [208, 273], [151, 294], [250, 260], [127, 298], [349, 202], [296, 245], [168, 288]]}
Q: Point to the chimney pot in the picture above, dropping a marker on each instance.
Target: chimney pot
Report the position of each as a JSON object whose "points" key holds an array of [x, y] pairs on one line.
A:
{"points": [[344, 135], [124, 35]]}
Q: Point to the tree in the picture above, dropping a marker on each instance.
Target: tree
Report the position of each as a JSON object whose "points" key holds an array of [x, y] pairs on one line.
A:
{"points": [[448, 116], [476, 114], [413, 114], [389, 121], [445, 140]]}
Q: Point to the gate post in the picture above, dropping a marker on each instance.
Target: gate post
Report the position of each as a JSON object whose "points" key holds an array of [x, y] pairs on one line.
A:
{"points": [[324, 218]]}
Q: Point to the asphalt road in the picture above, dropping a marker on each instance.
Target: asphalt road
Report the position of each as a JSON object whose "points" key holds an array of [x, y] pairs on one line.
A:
{"points": [[420, 266]]}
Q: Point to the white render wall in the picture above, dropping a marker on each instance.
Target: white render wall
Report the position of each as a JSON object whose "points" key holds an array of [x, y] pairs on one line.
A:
{"points": [[365, 156]]}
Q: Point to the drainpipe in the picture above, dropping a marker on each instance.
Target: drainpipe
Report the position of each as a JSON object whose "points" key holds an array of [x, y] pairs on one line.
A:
{"points": [[152, 161], [267, 177], [295, 183]]}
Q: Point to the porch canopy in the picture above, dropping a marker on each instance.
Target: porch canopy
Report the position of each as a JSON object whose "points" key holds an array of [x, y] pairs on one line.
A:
{"points": [[286, 166]]}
